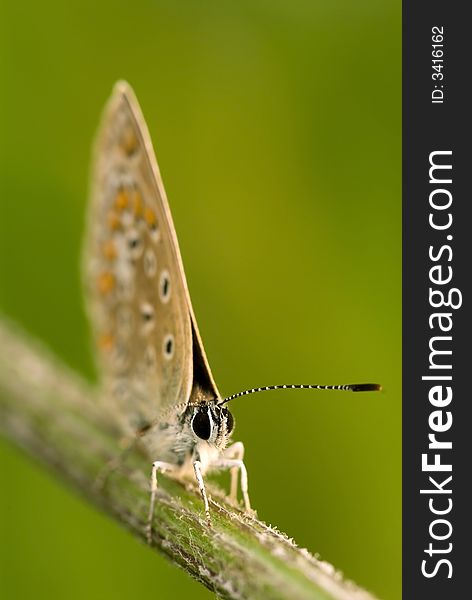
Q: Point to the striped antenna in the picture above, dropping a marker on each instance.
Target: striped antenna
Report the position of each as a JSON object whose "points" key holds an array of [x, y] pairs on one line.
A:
{"points": [[351, 387]]}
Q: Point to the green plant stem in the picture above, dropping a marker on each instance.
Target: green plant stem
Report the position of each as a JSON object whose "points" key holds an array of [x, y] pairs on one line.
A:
{"points": [[56, 417]]}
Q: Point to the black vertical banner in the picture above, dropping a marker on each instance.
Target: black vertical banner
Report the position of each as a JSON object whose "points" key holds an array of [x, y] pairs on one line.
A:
{"points": [[437, 269]]}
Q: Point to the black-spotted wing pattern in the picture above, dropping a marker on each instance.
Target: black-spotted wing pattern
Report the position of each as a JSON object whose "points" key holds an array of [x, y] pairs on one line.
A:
{"points": [[145, 331]]}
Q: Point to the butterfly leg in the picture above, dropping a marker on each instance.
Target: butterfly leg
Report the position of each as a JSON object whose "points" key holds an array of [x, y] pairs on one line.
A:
{"points": [[231, 463], [198, 474], [235, 451], [157, 466]]}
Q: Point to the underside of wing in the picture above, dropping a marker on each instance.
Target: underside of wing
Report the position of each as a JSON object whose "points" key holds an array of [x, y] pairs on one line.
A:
{"points": [[150, 353]]}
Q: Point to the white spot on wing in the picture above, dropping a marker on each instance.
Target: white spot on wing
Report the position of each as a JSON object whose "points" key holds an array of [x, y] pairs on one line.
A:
{"points": [[150, 358], [150, 263], [147, 316]]}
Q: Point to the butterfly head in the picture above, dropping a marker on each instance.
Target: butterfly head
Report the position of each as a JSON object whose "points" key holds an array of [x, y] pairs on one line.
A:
{"points": [[211, 423]]}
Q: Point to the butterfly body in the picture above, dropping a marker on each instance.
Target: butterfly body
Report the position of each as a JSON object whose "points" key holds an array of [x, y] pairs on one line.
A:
{"points": [[155, 376], [174, 440]]}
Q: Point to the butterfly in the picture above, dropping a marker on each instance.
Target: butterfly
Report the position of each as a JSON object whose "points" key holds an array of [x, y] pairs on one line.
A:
{"points": [[155, 373]]}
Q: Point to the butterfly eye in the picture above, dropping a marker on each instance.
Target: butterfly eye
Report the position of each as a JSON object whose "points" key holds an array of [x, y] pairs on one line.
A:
{"points": [[201, 424], [229, 420]]}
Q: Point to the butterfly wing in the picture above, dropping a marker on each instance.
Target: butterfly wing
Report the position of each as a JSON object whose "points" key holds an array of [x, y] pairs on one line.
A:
{"points": [[148, 342]]}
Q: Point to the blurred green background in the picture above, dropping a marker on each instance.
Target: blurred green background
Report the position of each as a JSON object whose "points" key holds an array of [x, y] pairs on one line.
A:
{"points": [[277, 126]]}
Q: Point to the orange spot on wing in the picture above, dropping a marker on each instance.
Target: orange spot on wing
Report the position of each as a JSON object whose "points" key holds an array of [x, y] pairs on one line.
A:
{"points": [[129, 141], [106, 342], [150, 217], [106, 282], [122, 200], [109, 250], [138, 205], [114, 221]]}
